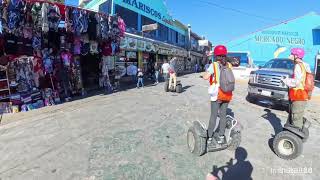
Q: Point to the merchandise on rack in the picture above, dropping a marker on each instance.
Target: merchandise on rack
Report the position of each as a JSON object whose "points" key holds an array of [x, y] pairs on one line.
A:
{"points": [[42, 56]]}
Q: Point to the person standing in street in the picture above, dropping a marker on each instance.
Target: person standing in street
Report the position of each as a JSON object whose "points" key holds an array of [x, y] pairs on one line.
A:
{"points": [[140, 78], [219, 97], [173, 75], [165, 70], [196, 68], [207, 66], [156, 73], [298, 95], [132, 71], [117, 77]]}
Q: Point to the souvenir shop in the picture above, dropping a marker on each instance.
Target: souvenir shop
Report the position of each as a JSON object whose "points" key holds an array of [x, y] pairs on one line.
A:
{"points": [[50, 52], [137, 52], [166, 53]]}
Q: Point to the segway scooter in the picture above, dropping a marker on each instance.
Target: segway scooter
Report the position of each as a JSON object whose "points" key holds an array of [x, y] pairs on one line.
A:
{"points": [[197, 138], [288, 144], [168, 87]]}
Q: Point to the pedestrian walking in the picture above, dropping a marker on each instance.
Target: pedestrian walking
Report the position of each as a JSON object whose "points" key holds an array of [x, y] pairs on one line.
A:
{"points": [[196, 68], [132, 71], [165, 70], [117, 77], [156, 72], [140, 78]]}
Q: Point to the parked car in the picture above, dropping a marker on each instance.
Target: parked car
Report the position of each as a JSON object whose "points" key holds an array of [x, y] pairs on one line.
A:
{"points": [[266, 82]]}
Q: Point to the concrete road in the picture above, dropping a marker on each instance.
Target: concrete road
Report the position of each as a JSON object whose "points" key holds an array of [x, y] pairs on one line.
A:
{"points": [[141, 134]]}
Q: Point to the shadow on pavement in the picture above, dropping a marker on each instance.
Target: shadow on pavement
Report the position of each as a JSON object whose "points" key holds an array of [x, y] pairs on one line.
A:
{"points": [[273, 120], [184, 88], [124, 86], [276, 124], [242, 169], [266, 104]]}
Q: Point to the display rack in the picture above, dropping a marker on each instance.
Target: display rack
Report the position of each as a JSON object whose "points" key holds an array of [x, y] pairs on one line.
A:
{"points": [[5, 91]]}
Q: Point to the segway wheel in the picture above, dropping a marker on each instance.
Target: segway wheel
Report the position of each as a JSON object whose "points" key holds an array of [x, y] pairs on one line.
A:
{"points": [[179, 88], [196, 144], [235, 141], [166, 86], [287, 145]]}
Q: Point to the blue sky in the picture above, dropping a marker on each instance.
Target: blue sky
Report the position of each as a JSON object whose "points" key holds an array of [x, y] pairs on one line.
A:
{"points": [[220, 25]]}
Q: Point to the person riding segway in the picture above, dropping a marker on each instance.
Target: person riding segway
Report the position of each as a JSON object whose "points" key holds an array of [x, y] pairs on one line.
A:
{"points": [[288, 144], [172, 85], [224, 133]]}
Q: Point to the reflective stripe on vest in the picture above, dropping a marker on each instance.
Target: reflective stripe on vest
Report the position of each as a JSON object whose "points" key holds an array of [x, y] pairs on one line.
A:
{"points": [[298, 93]]}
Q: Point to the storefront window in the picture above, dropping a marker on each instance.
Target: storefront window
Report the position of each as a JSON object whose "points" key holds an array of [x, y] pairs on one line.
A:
{"points": [[173, 36], [163, 32], [181, 40], [129, 17], [148, 21], [316, 36]]}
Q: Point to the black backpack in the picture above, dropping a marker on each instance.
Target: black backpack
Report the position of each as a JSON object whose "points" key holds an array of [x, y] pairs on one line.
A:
{"points": [[227, 80]]}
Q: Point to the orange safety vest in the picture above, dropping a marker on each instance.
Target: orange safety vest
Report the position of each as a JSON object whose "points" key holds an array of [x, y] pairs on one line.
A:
{"points": [[299, 93], [222, 96]]}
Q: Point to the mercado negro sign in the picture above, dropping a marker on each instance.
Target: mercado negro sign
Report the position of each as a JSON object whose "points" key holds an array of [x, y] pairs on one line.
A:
{"points": [[280, 37]]}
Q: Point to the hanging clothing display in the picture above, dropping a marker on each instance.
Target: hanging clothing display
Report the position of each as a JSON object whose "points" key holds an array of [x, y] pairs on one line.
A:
{"points": [[44, 58]]}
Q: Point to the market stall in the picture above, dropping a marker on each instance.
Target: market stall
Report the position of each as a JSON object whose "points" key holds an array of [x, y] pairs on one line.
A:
{"points": [[50, 52]]}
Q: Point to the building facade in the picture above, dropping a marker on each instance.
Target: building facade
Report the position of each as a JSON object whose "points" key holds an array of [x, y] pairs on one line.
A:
{"points": [[277, 41], [171, 38]]}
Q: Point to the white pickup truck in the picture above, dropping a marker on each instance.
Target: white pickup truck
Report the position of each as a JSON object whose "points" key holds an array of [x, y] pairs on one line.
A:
{"points": [[266, 82]]}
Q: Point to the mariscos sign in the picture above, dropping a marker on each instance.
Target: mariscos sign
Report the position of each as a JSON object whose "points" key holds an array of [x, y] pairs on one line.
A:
{"points": [[147, 9], [280, 37]]}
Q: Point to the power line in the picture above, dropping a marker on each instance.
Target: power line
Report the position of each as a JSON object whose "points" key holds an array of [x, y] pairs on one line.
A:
{"points": [[239, 11]]}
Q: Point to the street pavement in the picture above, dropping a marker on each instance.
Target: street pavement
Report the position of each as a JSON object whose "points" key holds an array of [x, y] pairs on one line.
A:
{"points": [[141, 134]]}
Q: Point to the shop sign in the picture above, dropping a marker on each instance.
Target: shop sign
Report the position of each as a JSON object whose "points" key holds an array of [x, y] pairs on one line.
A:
{"points": [[279, 37], [141, 45], [148, 10], [203, 43], [163, 51], [123, 43], [150, 27], [150, 47], [122, 53], [131, 55], [132, 44]]}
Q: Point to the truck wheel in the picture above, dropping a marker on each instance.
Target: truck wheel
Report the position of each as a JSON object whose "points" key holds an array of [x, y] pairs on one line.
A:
{"points": [[287, 145], [166, 86], [179, 88], [196, 144], [235, 141]]}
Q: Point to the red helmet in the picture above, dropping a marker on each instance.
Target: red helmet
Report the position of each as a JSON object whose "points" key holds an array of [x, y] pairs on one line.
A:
{"points": [[220, 50]]}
